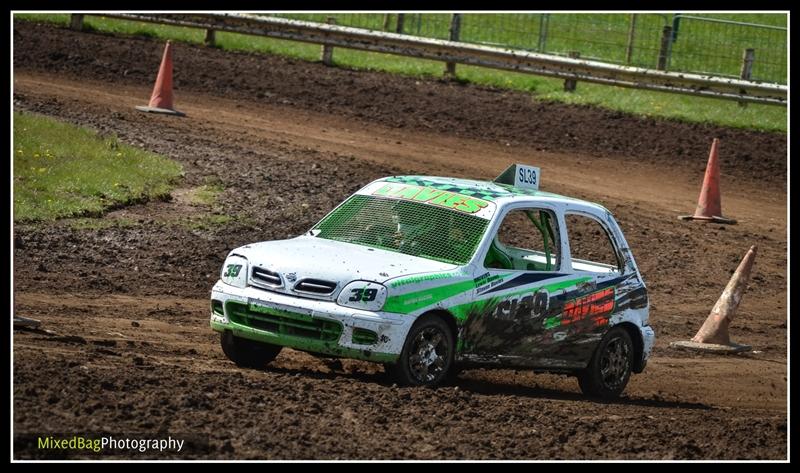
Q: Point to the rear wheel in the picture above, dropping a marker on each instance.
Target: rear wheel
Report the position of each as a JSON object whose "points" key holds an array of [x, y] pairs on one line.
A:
{"points": [[247, 353], [427, 357], [610, 368]]}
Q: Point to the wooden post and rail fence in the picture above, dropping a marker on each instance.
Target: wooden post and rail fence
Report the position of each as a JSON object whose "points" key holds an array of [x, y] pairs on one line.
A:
{"points": [[572, 69]]}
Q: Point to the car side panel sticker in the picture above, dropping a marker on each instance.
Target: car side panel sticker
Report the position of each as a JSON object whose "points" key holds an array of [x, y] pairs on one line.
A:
{"points": [[535, 326], [526, 278]]}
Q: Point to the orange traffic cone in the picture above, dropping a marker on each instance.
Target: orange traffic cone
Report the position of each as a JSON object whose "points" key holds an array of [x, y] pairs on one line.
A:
{"points": [[709, 205], [713, 335], [161, 99]]}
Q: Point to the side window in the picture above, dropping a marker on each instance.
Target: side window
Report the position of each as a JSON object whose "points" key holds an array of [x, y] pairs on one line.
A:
{"points": [[590, 245], [527, 240]]}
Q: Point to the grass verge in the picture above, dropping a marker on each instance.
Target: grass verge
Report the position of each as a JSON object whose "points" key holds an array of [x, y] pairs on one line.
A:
{"points": [[637, 102], [61, 170], [206, 194]]}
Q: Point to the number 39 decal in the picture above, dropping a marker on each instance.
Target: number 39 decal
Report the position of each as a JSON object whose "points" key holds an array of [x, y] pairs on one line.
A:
{"points": [[363, 295], [232, 270]]}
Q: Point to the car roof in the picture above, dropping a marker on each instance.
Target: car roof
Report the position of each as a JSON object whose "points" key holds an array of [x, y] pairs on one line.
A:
{"points": [[500, 194]]}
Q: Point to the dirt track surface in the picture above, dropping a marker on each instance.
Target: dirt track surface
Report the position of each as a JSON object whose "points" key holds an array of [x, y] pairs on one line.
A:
{"points": [[132, 351]]}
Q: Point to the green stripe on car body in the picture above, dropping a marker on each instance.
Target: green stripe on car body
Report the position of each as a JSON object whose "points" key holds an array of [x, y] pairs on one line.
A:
{"points": [[461, 312], [424, 278], [407, 303], [552, 286]]}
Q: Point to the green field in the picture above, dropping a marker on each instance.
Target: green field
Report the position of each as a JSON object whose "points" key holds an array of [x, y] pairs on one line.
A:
{"points": [[700, 46], [61, 170]]}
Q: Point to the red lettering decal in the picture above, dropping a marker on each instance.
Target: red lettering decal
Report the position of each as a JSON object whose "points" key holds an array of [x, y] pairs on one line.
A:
{"points": [[595, 305]]}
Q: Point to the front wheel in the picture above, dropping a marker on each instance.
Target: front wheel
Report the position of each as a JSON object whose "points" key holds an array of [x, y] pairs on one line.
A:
{"points": [[247, 353], [610, 368], [427, 357]]}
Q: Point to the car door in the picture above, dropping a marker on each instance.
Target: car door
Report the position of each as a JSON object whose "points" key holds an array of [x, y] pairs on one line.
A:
{"points": [[584, 310], [518, 274]]}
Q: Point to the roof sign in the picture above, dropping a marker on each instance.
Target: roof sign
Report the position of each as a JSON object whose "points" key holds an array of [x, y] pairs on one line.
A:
{"points": [[520, 175]]}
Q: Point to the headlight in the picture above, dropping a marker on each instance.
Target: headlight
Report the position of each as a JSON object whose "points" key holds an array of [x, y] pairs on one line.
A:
{"points": [[364, 295], [234, 271]]}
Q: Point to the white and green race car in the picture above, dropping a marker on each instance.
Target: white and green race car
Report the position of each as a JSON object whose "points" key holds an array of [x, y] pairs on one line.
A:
{"points": [[430, 275]]}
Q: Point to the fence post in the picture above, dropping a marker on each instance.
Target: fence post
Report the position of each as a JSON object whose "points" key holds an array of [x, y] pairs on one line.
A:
{"points": [[663, 53], [631, 36], [401, 18], [544, 21], [386, 18], [570, 84], [327, 50], [676, 23], [211, 38], [76, 22], [455, 33], [747, 69]]}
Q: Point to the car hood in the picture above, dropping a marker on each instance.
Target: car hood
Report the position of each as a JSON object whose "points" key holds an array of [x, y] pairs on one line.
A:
{"points": [[329, 260]]}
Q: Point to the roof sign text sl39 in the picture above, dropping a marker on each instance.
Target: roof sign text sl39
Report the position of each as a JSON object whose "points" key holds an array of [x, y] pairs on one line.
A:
{"points": [[520, 175]]}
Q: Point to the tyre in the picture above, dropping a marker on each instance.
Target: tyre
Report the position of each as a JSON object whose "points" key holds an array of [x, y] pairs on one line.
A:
{"points": [[427, 357], [247, 353], [610, 368]]}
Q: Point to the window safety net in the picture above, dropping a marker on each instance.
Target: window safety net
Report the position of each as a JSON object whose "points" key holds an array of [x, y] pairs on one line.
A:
{"points": [[406, 227]]}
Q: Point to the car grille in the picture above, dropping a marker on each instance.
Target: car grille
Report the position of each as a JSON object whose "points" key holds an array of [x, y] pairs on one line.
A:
{"points": [[265, 276], [283, 322], [315, 286]]}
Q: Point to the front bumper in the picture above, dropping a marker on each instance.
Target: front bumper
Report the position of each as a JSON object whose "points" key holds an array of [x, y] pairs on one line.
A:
{"points": [[308, 325]]}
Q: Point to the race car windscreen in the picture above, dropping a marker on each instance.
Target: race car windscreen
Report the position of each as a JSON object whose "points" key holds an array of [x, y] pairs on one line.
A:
{"points": [[411, 228]]}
